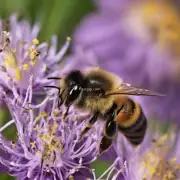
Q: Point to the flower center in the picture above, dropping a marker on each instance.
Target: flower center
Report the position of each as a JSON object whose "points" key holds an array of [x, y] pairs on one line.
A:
{"points": [[13, 63], [156, 164], [49, 144], [159, 169], [155, 20]]}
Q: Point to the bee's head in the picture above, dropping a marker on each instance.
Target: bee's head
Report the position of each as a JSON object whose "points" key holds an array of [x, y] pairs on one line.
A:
{"points": [[73, 82]]}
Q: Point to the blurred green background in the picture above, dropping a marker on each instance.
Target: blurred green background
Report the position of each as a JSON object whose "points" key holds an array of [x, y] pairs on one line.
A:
{"points": [[58, 17]]}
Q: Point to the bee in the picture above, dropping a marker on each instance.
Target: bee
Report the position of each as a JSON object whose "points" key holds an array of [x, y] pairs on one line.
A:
{"points": [[106, 96]]}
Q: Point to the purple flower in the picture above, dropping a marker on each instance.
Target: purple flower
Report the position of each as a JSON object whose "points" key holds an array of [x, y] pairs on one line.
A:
{"points": [[22, 55], [47, 146], [140, 42], [157, 158]]}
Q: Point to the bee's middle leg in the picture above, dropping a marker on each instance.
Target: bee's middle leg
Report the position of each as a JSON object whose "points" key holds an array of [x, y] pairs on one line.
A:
{"points": [[91, 122]]}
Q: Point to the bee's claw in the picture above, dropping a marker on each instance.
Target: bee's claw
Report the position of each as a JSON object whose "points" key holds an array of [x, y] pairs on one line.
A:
{"points": [[98, 155], [81, 135], [66, 114], [64, 117]]}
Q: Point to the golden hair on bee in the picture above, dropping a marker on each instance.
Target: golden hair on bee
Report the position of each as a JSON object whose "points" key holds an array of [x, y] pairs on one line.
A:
{"points": [[105, 95]]}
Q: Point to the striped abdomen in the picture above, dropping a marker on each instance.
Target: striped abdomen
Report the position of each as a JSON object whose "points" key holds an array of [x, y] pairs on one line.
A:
{"points": [[131, 120]]}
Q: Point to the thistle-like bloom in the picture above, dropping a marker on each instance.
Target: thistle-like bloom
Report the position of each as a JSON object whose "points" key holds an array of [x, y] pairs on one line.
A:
{"points": [[139, 41], [23, 55], [47, 146], [156, 159]]}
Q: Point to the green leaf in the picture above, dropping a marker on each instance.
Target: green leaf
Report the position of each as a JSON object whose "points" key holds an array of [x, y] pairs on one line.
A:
{"points": [[6, 177], [61, 16], [100, 167], [10, 132]]}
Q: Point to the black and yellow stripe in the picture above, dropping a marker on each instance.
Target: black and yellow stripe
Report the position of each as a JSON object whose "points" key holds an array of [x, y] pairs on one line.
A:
{"points": [[133, 125]]}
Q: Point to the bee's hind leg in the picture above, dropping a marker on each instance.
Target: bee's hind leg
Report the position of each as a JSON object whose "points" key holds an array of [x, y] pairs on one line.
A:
{"points": [[110, 130], [109, 134]]}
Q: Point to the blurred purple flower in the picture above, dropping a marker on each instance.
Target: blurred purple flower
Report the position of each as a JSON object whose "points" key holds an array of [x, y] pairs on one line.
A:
{"points": [[23, 55], [157, 158], [139, 41], [47, 147]]}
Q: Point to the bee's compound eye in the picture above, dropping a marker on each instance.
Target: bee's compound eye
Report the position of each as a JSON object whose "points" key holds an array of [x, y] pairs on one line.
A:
{"points": [[73, 94], [74, 89]]}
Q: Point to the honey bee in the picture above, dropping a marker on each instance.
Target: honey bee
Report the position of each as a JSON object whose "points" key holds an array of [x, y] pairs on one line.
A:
{"points": [[105, 95]]}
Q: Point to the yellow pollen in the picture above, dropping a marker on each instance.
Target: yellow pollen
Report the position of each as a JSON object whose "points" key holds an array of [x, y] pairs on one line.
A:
{"points": [[55, 112], [37, 118], [68, 38], [36, 41], [43, 114], [71, 177], [18, 74], [33, 144], [37, 128], [32, 56], [45, 137], [13, 50], [76, 117], [55, 126], [30, 48], [10, 61], [173, 160], [170, 175], [161, 140], [51, 147], [33, 63], [33, 53], [158, 168], [25, 67], [161, 20], [150, 155], [152, 170], [51, 138]]}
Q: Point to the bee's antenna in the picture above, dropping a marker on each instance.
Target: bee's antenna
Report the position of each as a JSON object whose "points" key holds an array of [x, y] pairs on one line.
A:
{"points": [[59, 103], [52, 87], [56, 78]]}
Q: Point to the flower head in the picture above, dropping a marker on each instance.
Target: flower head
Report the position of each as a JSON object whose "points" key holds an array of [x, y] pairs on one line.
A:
{"points": [[156, 159], [47, 146], [138, 41], [22, 55]]}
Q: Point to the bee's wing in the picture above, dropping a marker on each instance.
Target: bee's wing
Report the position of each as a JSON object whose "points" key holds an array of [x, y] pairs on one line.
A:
{"points": [[129, 89]]}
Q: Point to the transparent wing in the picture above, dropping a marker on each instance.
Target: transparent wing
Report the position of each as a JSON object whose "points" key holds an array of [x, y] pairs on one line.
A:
{"points": [[129, 89]]}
